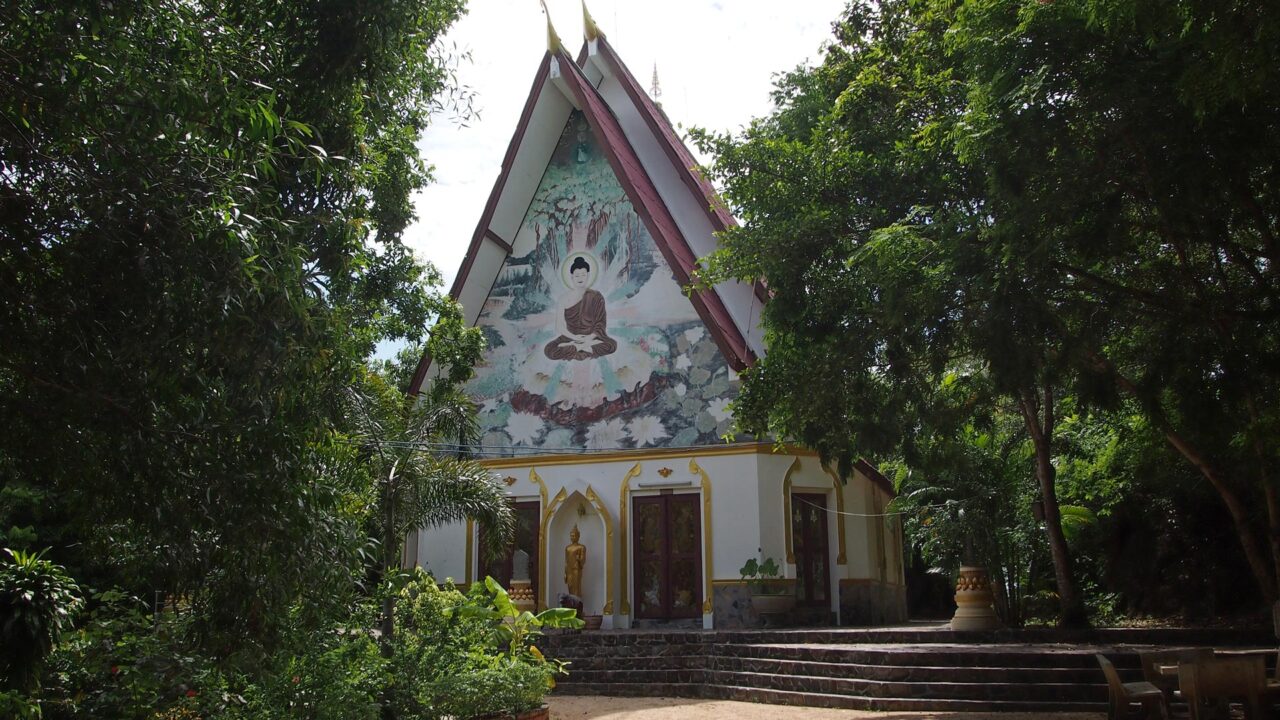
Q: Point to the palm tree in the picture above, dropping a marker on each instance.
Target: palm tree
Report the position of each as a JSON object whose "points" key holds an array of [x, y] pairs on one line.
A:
{"points": [[420, 485]]}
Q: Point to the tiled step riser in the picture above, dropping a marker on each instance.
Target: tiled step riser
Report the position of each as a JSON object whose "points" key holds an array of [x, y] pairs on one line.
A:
{"points": [[848, 656], [923, 690], [634, 677], [670, 662], [1104, 636], [918, 673], [924, 657], [834, 636], [1051, 693], [782, 697]]}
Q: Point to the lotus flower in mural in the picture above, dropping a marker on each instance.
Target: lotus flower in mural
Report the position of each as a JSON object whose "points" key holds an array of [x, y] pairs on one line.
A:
{"points": [[606, 434], [524, 428], [719, 409], [647, 430]]}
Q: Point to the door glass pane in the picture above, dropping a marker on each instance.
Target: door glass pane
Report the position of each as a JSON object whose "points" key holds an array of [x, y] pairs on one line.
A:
{"points": [[648, 588], [684, 527], [648, 528], [684, 586], [818, 573]]}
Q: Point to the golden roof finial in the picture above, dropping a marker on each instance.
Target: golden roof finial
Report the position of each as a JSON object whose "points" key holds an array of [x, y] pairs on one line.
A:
{"points": [[589, 27], [553, 40]]}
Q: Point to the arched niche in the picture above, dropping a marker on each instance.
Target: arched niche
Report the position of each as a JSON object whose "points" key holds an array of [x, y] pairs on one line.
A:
{"points": [[582, 508]]}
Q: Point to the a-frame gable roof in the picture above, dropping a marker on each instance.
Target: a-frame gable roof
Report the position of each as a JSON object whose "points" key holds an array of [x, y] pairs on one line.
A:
{"points": [[543, 116]]}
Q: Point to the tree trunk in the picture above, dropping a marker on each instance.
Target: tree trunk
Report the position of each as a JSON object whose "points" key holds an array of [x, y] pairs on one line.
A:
{"points": [[1254, 554], [1071, 604], [390, 553]]}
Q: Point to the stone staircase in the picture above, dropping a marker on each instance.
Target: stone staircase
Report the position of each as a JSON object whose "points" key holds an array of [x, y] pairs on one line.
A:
{"points": [[863, 669]]}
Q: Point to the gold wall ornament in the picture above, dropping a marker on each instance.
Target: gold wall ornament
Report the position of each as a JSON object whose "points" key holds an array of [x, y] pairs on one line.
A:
{"points": [[665, 472], [509, 480], [623, 493], [786, 510], [696, 469], [536, 479]]}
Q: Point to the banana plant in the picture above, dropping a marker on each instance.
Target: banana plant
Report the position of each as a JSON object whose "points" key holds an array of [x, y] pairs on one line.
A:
{"points": [[515, 628]]}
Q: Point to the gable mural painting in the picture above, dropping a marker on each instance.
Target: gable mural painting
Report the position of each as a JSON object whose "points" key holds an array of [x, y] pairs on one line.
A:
{"points": [[592, 343]]}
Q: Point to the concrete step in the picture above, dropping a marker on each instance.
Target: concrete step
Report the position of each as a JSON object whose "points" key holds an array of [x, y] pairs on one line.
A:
{"points": [[914, 673]]}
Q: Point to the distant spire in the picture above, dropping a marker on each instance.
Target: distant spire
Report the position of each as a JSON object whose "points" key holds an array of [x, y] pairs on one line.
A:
{"points": [[655, 91], [589, 27], [553, 40]]}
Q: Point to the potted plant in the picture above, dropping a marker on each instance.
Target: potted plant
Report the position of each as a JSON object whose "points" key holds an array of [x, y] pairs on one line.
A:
{"points": [[767, 595]]}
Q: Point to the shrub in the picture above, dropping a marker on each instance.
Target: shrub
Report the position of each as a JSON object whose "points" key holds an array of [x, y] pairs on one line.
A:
{"points": [[431, 642], [510, 686], [124, 663], [37, 601], [332, 672]]}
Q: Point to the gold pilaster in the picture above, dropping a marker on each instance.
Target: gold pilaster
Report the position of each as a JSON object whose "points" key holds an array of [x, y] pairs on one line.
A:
{"points": [[542, 547], [841, 559], [786, 510], [608, 544], [623, 493], [536, 479], [696, 469]]}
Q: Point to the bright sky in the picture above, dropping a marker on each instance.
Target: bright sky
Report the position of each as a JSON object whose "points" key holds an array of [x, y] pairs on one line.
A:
{"points": [[715, 58]]}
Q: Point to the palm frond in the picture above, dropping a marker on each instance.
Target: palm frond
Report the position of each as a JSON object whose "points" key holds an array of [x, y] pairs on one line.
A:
{"points": [[452, 490]]}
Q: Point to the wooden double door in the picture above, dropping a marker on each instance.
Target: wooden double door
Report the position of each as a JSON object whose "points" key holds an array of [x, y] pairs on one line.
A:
{"points": [[667, 542], [812, 551]]}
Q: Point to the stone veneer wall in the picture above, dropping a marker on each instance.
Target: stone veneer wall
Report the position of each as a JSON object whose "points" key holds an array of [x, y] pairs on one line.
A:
{"points": [[731, 607], [871, 602]]}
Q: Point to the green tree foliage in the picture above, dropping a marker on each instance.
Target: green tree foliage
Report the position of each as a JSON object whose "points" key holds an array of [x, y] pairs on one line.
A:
{"points": [[420, 479], [1065, 198], [201, 207]]}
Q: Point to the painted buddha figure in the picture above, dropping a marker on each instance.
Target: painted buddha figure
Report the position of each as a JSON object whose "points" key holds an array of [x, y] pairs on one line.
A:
{"points": [[581, 324]]}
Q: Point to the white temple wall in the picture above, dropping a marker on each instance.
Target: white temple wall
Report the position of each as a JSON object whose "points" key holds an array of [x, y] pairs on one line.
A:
{"points": [[735, 512], [442, 552]]}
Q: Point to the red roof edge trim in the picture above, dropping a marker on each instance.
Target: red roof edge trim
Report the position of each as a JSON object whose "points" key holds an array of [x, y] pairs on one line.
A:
{"points": [[657, 218], [677, 153], [875, 476], [490, 206], [685, 164]]}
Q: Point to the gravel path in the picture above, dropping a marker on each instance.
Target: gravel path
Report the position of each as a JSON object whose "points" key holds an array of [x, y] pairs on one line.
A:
{"points": [[571, 707]]}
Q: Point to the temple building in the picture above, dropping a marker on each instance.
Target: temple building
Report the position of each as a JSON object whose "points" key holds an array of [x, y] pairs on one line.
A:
{"points": [[605, 389]]}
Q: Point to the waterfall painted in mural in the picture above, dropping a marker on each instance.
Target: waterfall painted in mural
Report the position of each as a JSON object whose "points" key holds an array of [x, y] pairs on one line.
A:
{"points": [[592, 342]]}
